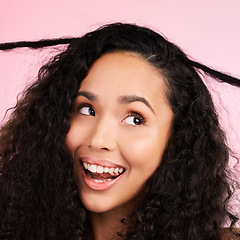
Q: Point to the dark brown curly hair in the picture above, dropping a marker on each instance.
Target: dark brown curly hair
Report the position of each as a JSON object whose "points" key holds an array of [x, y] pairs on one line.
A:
{"points": [[187, 196]]}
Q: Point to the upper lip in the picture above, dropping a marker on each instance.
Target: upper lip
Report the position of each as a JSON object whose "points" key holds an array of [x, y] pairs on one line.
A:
{"points": [[100, 162]]}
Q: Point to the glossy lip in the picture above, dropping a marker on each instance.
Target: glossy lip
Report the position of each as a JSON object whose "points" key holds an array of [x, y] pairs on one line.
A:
{"points": [[98, 186]]}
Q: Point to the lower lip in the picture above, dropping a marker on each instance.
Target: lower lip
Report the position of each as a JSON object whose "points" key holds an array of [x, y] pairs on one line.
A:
{"points": [[98, 186]]}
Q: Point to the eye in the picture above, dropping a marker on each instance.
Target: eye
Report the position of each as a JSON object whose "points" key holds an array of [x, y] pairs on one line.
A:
{"points": [[134, 119], [86, 110]]}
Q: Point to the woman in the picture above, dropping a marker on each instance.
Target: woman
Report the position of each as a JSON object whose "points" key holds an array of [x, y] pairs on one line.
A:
{"points": [[118, 139]]}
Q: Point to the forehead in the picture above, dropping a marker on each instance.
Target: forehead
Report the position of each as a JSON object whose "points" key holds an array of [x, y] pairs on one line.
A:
{"points": [[122, 73]]}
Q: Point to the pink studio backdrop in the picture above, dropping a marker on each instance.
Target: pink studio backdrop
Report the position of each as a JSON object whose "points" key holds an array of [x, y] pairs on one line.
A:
{"points": [[207, 30]]}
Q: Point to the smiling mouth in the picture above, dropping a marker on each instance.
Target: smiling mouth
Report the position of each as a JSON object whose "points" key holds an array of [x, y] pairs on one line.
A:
{"points": [[101, 174]]}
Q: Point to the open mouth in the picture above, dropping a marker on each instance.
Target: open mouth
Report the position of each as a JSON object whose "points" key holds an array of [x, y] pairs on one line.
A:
{"points": [[101, 174]]}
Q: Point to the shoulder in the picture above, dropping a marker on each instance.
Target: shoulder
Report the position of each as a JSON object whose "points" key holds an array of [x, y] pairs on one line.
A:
{"points": [[228, 235]]}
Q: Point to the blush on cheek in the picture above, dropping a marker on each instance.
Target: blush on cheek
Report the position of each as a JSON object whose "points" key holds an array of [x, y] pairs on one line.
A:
{"points": [[145, 152]]}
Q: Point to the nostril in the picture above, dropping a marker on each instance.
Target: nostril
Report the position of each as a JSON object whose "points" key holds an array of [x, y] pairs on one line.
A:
{"points": [[104, 148]]}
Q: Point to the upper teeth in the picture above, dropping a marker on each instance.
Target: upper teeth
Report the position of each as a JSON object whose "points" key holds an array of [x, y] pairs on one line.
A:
{"points": [[101, 169]]}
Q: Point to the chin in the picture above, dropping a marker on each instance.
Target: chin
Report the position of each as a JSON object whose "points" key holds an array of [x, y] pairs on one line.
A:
{"points": [[97, 207]]}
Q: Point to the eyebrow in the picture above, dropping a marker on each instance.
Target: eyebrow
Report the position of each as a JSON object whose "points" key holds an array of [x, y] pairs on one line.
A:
{"points": [[122, 99], [134, 98], [88, 95]]}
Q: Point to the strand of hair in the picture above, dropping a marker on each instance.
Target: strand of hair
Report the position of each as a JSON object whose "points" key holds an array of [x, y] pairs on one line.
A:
{"points": [[35, 44], [222, 77]]}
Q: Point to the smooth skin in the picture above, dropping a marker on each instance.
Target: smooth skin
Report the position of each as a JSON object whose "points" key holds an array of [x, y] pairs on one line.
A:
{"points": [[121, 116]]}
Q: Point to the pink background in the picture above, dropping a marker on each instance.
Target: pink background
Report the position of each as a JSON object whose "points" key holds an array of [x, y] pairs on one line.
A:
{"points": [[208, 30]]}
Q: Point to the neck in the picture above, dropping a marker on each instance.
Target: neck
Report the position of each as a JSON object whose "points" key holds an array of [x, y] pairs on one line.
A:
{"points": [[105, 226]]}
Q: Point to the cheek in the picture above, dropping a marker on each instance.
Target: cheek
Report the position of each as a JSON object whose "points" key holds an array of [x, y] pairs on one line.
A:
{"points": [[69, 141], [73, 139], [145, 152]]}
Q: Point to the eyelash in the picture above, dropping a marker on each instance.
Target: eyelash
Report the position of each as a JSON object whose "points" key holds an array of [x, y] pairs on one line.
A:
{"points": [[85, 105], [131, 114], [138, 116]]}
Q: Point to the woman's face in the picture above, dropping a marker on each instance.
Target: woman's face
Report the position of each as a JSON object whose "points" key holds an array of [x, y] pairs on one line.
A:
{"points": [[120, 126]]}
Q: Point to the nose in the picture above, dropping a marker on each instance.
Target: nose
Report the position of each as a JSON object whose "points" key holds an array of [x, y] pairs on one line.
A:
{"points": [[102, 135]]}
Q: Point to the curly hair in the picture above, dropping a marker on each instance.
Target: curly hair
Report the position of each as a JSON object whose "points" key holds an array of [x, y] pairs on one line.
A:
{"points": [[187, 196]]}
